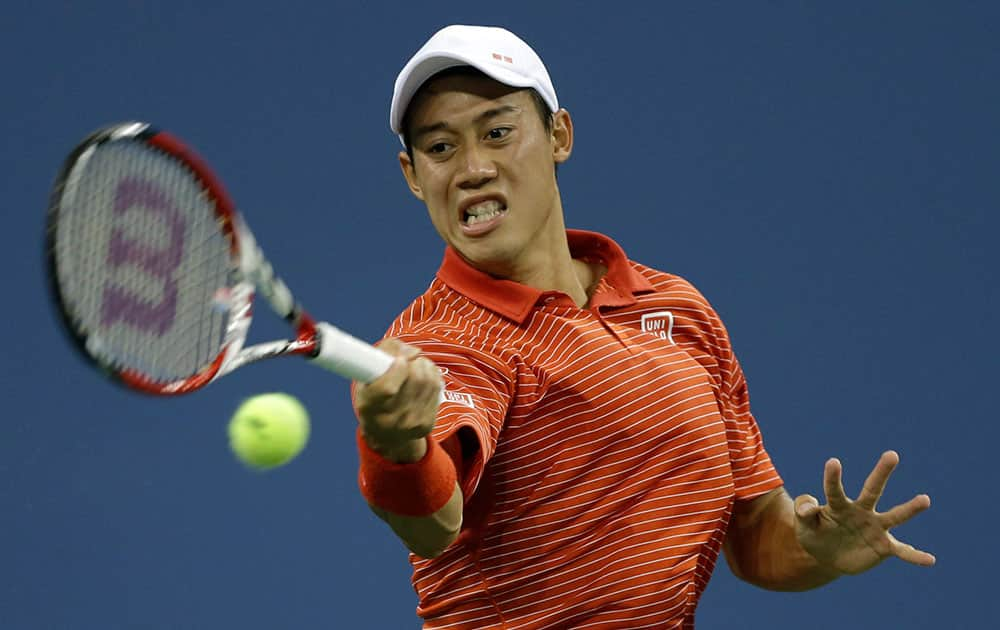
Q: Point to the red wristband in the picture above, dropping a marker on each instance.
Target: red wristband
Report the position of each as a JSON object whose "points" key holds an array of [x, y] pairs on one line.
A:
{"points": [[413, 489]]}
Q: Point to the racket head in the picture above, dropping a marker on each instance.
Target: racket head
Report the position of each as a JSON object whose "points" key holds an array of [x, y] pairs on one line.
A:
{"points": [[143, 259]]}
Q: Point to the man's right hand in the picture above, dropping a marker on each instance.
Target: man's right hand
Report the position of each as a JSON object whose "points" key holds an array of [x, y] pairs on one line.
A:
{"points": [[399, 408]]}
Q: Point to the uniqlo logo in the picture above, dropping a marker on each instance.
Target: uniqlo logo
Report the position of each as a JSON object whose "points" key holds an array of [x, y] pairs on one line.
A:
{"points": [[457, 397], [660, 324]]}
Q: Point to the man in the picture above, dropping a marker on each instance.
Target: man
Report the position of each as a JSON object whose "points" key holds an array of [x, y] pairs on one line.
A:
{"points": [[565, 439]]}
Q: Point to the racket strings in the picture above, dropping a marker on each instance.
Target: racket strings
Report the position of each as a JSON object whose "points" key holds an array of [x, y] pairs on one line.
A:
{"points": [[144, 266]]}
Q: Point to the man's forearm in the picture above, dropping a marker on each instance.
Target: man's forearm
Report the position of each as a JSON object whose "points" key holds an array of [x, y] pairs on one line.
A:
{"points": [[425, 535], [762, 548]]}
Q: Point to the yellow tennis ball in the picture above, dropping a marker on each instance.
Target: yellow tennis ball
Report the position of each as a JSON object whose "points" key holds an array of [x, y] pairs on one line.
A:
{"points": [[268, 430]]}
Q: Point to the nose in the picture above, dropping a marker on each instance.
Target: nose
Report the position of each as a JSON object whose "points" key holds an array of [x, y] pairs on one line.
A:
{"points": [[477, 168]]}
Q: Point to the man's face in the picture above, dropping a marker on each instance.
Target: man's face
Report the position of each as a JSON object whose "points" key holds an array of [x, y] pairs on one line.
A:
{"points": [[484, 165]]}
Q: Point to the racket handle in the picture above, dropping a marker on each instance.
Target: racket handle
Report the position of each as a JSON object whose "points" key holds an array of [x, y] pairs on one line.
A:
{"points": [[348, 356]]}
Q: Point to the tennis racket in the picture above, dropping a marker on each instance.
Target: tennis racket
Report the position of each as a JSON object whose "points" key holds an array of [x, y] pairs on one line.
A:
{"points": [[154, 272]]}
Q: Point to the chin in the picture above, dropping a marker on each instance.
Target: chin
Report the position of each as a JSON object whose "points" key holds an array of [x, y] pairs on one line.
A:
{"points": [[483, 255]]}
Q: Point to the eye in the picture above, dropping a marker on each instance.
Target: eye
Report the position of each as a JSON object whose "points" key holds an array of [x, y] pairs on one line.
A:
{"points": [[438, 147], [498, 133]]}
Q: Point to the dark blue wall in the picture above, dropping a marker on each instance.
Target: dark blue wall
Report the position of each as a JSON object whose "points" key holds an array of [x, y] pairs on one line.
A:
{"points": [[826, 173]]}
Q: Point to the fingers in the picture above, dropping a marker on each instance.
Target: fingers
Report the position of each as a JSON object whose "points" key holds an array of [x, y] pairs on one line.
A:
{"points": [[904, 512], [401, 405], [401, 370], [384, 386], [397, 348], [874, 486], [423, 383], [911, 554], [428, 372], [833, 485], [806, 506]]}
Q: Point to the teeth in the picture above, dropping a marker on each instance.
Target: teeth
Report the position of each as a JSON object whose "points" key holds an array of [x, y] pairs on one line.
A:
{"points": [[483, 212], [479, 218], [484, 207]]}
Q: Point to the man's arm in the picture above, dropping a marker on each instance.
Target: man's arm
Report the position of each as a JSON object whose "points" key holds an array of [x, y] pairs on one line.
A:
{"points": [[780, 544], [761, 546], [397, 413], [427, 536]]}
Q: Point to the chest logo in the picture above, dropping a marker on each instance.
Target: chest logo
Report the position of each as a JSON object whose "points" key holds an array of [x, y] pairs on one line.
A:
{"points": [[660, 324], [456, 397]]}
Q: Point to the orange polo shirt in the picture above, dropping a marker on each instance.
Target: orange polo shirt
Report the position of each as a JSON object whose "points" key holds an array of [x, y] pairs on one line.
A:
{"points": [[604, 446]]}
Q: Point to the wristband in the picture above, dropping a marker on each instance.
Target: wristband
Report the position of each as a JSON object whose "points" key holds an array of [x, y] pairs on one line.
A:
{"points": [[411, 489]]}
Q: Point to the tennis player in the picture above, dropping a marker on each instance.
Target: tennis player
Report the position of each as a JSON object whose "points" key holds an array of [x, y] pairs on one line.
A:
{"points": [[565, 438]]}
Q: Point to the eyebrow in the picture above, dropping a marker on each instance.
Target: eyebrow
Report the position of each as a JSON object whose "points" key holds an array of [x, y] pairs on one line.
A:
{"points": [[444, 126]]}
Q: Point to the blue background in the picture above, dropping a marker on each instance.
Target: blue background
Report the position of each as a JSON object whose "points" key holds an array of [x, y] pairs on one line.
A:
{"points": [[827, 174]]}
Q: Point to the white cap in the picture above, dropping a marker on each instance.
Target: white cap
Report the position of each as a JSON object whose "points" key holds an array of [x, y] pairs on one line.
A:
{"points": [[496, 52]]}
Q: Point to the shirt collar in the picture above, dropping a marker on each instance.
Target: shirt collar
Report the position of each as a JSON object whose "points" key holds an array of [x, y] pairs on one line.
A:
{"points": [[515, 301]]}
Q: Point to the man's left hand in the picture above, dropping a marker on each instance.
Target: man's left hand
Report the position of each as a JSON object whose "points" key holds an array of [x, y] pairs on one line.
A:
{"points": [[850, 537]]}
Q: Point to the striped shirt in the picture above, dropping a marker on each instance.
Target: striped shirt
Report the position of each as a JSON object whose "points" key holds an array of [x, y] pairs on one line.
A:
{"points": [[612, 441]]}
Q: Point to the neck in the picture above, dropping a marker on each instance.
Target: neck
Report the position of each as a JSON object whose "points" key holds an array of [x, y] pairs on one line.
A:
{"points": [[547, 264], [556, 271]]}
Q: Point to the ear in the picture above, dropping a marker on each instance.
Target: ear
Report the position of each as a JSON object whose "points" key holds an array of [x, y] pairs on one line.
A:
{"points": [[562, 136], [410, 174]]}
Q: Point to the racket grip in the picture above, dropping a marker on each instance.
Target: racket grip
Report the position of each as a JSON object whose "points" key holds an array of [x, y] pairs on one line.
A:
{"points": [[348, 356]]}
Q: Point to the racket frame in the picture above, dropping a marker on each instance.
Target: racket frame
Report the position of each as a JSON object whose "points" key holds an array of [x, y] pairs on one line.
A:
{"points": [[326, 345]]}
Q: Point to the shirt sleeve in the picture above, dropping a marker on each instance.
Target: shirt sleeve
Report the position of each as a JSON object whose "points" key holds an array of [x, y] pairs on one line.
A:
{"points": [[477, 392], [753, 472]]}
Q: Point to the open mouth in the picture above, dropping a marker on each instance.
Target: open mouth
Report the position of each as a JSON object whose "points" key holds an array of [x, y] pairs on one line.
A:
{"points": [[483, 212]]}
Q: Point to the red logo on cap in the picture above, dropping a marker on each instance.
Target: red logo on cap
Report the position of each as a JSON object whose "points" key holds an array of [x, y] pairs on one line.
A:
{"points": [[500, 57]]}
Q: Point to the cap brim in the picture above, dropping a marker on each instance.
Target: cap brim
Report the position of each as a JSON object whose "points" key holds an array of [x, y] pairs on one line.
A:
{"points": [[434, 63]]}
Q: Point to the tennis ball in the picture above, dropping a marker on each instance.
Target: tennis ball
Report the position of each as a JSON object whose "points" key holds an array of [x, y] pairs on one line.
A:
{"points": [[268, 430]]}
